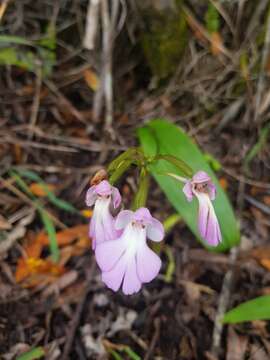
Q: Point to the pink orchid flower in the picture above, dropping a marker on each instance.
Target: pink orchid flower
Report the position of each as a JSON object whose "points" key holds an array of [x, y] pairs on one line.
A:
{"points": [[203, 188], [102, 222], [128, 260]]}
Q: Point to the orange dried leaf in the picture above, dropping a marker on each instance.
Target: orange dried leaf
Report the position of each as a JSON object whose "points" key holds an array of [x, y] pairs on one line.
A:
{"points": [[216, 43], [67, 236], [223, 183], [33, 266], [265, 263], [87, 213], [17, 149], [197, 29], [91, 79], [262, 255], [266, 200], [38, 190]]}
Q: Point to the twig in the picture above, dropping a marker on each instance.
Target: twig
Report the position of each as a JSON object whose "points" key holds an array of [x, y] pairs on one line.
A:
{"points": [[77, 316], [154, 340], [36, 100], [16, 233], [3, 8], [65, 101], [261, 82], [107, 40], [22, 196], [224, 298], [223, 305], [264, 208], [245, 180], [91, 24]]}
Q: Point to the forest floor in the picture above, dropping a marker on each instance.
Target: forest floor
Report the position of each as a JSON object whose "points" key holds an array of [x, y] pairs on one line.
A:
{"points": [[51, 126]]}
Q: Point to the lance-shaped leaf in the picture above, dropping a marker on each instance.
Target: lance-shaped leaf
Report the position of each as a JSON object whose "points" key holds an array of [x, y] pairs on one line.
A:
{"points": [[256, 309], [162, 137]]}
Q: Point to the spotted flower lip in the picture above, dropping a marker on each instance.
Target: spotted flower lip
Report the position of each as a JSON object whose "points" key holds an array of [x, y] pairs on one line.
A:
{"points": [[204, 189], [102, 222], [128, 261]]}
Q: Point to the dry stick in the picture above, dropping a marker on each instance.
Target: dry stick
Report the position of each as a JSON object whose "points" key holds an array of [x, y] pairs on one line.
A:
{"points": [[22, 196], [91, 24], [77, 316], [107, 42], [265, 57], [224, 298], [154, 340], [36, 100], [65, 101], [3, 8]]}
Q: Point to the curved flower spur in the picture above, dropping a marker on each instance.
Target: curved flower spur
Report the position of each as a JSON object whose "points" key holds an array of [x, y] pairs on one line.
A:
{"points": [[102, 226], [204, 189], [128, 260]]}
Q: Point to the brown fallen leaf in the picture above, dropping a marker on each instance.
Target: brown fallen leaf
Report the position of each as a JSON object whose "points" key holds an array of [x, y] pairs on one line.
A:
{"points": [[38, 190], [216, 43], [91, 79], [236, 345], [4, 224], [262, 255], [223, 183], [33, 270]]}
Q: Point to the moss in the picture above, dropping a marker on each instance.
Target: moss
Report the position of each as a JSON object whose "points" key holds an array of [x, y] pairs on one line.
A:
{"points": [[164, 40]]}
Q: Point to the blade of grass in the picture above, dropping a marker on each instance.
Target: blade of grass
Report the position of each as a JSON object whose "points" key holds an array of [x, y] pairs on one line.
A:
{"points": [[45, 217], [131, 353], [50, 229], [61, 204], [33, 354], [115, 355]]}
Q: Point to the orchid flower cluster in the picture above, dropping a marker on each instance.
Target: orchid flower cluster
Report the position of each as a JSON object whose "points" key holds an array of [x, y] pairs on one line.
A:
{"points": [[119, 237]]}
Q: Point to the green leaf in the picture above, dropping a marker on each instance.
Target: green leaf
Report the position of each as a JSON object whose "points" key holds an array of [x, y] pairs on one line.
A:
{"points": [[33, 354], [61, 204], [181, 165], [10, 39], [256, 309], [115, 355], [132, 355], [212, 19], [160, 136], [50, 229]]}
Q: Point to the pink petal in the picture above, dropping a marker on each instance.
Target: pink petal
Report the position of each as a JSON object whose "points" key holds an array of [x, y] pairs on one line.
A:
{"points": [[143, 214], [113, 279], [96, 232], [104, 188], [108, 253], [212, 190], [123, 218], [155, 230], [131, 282], [91, 196], [213, 235], [116, 197], [203, 213], [207, 221], [148, 264], [187, 190], [201, 177]]}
